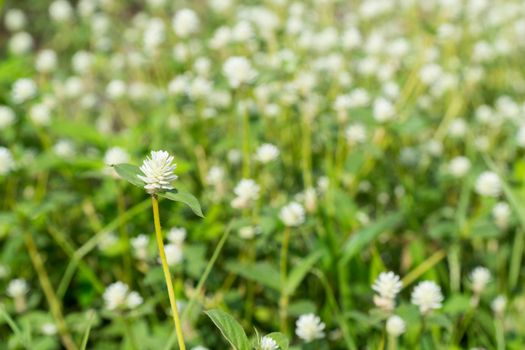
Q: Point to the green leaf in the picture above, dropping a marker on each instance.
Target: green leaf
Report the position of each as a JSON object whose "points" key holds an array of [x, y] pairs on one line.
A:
{"points": [[262, 272], [186, 198], [280, 339], [300, 271], [129, 173], [230, 329], [359, 240]]}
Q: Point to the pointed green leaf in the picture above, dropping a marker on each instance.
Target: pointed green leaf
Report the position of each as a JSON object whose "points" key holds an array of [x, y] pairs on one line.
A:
{"points": [[129, 173], [280, 339], [230, 329], [186, 198], [300, 271]]}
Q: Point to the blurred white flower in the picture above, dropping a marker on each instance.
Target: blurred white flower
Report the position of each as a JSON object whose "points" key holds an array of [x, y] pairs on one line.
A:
{"points": [[64, 148], [395, 326], [17, 287], [266, 153], [20, 43], [268, 343], [458, 128], [309, 327], [501, 213], [23, 89], [384, 110], [140, 246], [246, 191], [116, 155], [82, 62], [46, 61], [238, 70], [427, 296], [15, 19], [174, 254], [116, 89], [60, 11], [355, 133], [488, 184], [248, 232], [215, 176], [498, 305], [177, 235], [49, 329], [199, 347], [459, 166], [158, 171], [40, 114], [479, 277], [7, 117], [118, 296], [292, 214], [387, 285], [185, 22], [7, 163]]}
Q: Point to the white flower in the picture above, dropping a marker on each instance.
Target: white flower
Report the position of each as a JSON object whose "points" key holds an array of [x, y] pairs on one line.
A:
{"points": [[7, 162], [40, 114], [116, 155], [116, 89], [246, 191], [140, 246], [17, 288], [64, 148], [501, 213], [459, 166], [458, 128], [427, 296], [118, 296], [49, 328], [185, 22], [20, 43], [499, 304], [177, 235], [268, 343], [60, 11], [173, 253], [395, 326], [46, 61], [248, 232], [292, 214], [479, 278], [199, 347], [355, 133], [7, 117], [15, 19], [23, 89], [488, 184], [158, 172], [387, 285], [309, 327], [238, 70], [266, 153], [82, 62], [384, 110], [215, 175]]}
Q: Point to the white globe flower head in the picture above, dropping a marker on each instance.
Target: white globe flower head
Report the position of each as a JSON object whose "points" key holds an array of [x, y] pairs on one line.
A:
{"points": [[118, 296], [46, 61], [355, 134], [60, 11], [40, 114], [15, 19], [199, 347], [7, 163], [395, 326], [246, 191], [427, 296], [17, 288], [238, 70], [459, 166], [268, 343], [309, 327], [116, 89], [174, 254], [266, 153], [215, 176], [387, 285], [23, 89], [248, 232], [499, 304], [21, 43], [384, 110], [177, 235], [133, 300], [49, 328], [82, 62], [140, 246], [292, 215], [185, 22], [158, 170], [480, 277], [488, 184], [7, 117], [458, 128]]}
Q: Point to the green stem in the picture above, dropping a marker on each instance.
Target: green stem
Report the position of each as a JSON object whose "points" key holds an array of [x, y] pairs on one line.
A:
{"points": [[283, 301], [392, 342], [500, 333], [167, 275]]}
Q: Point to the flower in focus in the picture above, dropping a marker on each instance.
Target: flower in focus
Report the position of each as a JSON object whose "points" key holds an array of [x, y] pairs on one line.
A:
{"points": [[395, 326], [158, 171], [292, 214], [488, 184], [309, 327], [427, 296], [268, 343]]}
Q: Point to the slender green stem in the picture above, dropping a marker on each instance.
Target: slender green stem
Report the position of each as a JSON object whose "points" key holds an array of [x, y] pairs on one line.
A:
{"points": [[167, 276], [500, 333], [124, 235], [392, 342], [423, 267], [129, 333], [283, 301]]}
